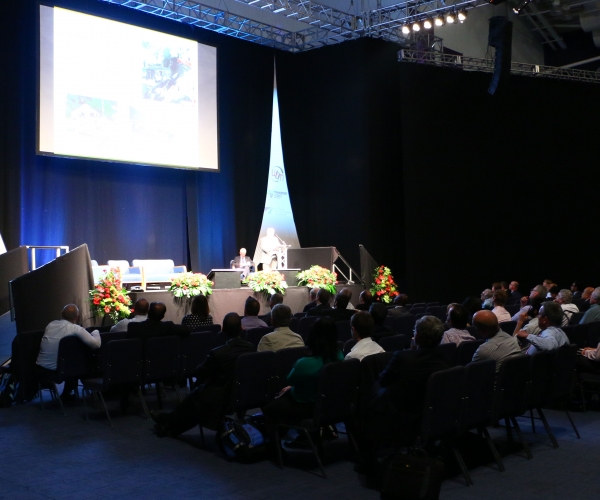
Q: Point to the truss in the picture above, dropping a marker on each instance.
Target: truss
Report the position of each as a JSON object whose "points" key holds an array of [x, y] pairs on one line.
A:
{"points": [[487, 65]]}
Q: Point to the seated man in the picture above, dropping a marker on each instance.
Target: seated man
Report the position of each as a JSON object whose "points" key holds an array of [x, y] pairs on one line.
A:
{"points": [[313, 300], [282, 337], [551, 336], [400, 309], [532, 327], [379, 312], [458, 317], [593, 313], [140, 313], [362, 327], [275, 299], [365, 299], [208, 402], [251, 319], [565, 299], [499, 299], [589, 361], [154, 326], [487, 301], [348, 293], [323, 298], [340, 311], [498, 344], [242, 262], [537, 291], [515, 295], [55, 331]]}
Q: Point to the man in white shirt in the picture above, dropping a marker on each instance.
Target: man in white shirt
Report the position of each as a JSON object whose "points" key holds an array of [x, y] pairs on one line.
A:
{"points": [[140, 313], [55, 331], [362, 327], [552, 337]]}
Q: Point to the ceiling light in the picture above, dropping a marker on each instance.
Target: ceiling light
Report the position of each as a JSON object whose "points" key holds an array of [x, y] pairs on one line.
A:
{"points": [[405, 29], [439, 21], [450, 18], [427, 24], [416, 27], [462, 15]]}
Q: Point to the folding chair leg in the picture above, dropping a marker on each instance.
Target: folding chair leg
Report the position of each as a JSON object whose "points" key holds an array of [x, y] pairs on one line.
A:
{"points": [[532, 421], [547, 427], [54, 391], [492, 448], [509, 435], [177, 392], [582, 397], [85, 407], [105, 408], [521, 438], [572, 423], [315, 451], [202, 435], [278, 447], [41, 396], [462, 465], [158, 387], [143, 401]]}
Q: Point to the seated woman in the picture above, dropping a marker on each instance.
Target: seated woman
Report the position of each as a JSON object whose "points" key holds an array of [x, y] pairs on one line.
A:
{"points": [[200, 314], [297, 401]]}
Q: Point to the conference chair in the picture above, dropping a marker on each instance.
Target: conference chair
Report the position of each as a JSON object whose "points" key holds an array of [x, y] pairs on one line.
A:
{"points": [[402, 325], [417, 310], [284, 361], [101, 329], [448, 351], [25, 349], [563, 369], [344, 331], [348, 345], [295, 325], [442, 412], [255, 334], [394, 343], [194, 350], [478, 401], [161, 364], [252, 381], [474, 332], [541, 380], [508, 326], [511, 393], [513, 309], [432, 304], [105, 339], [591, 380], [335, 403], [305, 324], [123, 369], [370, 368], [576, 318], [465, 350], [299, 315], [208, 328]]}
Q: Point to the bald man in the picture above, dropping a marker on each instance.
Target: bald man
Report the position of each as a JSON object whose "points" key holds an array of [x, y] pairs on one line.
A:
{"points": [[140, 313], [243, 262], [498, 344]]}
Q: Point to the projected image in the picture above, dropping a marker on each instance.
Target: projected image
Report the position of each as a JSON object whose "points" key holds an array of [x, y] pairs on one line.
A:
{"points": [[90, 116], [167, 74]]}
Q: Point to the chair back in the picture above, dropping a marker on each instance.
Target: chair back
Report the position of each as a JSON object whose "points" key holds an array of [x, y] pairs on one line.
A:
{"points": [[252, 380], [508, 326], [402, 325], [161, 359], [305, 324], [344, 331], [512, 387], [284, 361], [75, 359], [101, 329], [295, 325], [478, 394], [448, 351], [255, 334], [209, 328], [194, 350], [442, 404], [474, 332], [105, 338], [417, 310], [299, 315], [337, 390], [394, 343], [513, 308], [25, 351], [576, 318], [541, 378], [563, 362], [465, 350], [370, 368], [123, 362]]}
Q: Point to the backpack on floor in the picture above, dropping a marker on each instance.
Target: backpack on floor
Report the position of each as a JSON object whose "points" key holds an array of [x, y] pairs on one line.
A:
{"points": [[243, 440], [8, 389]]}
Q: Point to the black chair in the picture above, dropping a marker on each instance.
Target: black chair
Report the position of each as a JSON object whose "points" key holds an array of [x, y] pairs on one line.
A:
{"points": [[432, 304], [474, 332], [417, 310], [576, 318], [348, 345], [402, 325], [588, 383], [478, 402], [394, 343], [419, 304], [513, 309], [508, 326], [511, 393], [105, 339], [299, 315], [255, 334], [252, 381], [541, 380], [161, 363], [25, 349], [305, 324], [465, 350], [344, 331], [101, 329], [448, 351], [284, 361], [295, 325], [442, 412], [123, 369], [194, 350], [209, 328], [562, 368], [335, 403], [370, 368]]}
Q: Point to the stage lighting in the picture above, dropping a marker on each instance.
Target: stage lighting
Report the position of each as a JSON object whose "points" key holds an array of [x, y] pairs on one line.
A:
{"points": [[439, 21], [405, 29], [416, 27], [427, 24], [462, 16], [450, 18]]}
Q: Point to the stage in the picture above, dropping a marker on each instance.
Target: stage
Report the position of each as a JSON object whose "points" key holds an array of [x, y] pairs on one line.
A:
{"points": [[225, 301]]}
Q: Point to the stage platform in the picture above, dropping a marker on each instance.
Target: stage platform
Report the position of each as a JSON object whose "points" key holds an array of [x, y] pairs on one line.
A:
{"points": [[225, 301]]}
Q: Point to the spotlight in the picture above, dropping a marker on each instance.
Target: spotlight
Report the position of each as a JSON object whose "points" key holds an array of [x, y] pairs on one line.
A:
{"points": [[405, 29], [427, 24], [416, 27], [450, 18], [439, 21], [462, 16]]}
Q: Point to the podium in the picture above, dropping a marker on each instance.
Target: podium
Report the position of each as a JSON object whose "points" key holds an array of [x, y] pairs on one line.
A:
{"points": [[225, 278]]}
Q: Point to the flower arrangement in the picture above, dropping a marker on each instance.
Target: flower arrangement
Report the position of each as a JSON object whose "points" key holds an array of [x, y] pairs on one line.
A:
{"points": [[109, 297], [318, 277], [384, 287], [190, 284], [269, 282]]}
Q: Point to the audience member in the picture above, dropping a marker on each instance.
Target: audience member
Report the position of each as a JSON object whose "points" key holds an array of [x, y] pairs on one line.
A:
{"points": [[537, 291], [400, 306], [276, 298], [576, 289], [282, 337], [154, 326], [200, 314], [457, 319], [504, 287], [496, 285], [498, 344], [547, 284], [593, 313], [472, 305], [207, 403], [56, 330], [502, 314], [565, 299], [531, 328], [140, 313], [323, 298], [340, 311], [552, 292], [365, 299], [362, 328], [487, 301], [379, 312], [583, 303], [251, 319], [589, 361], [348, 293], [313, 300], [551, 336], [514, 291]]}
